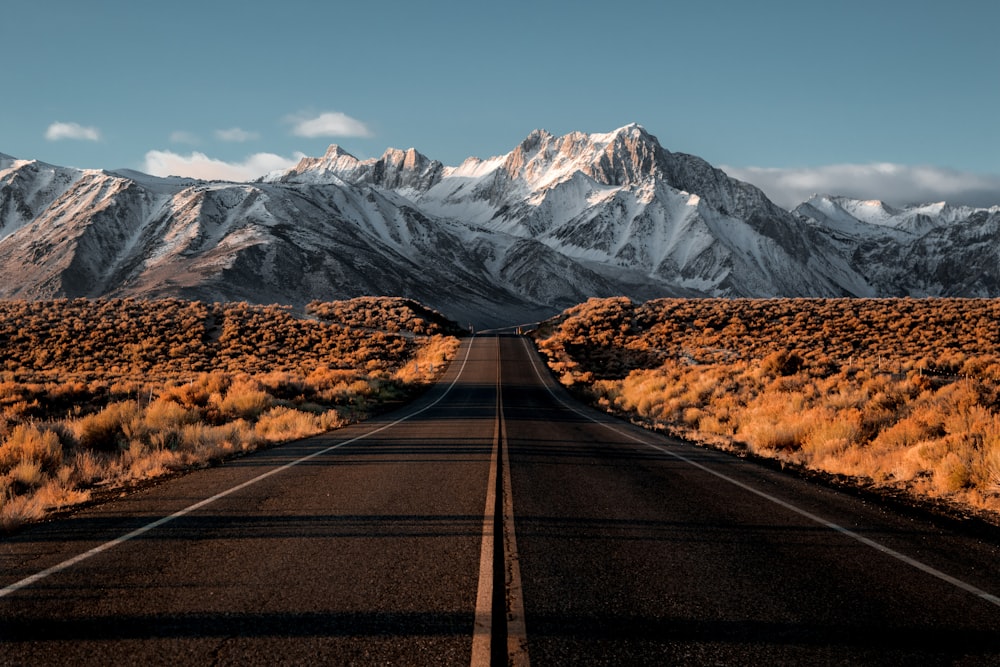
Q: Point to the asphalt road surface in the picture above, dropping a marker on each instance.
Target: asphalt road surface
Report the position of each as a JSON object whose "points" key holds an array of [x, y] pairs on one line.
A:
{"points": [[375, 544]]}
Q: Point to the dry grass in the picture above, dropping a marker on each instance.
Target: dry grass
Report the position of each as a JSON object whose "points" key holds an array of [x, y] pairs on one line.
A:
{"points": [[393, 314], [899, 393], [108, 393]]}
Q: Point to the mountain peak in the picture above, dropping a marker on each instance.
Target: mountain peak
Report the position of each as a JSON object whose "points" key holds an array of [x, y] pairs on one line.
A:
{"points": [[335, 151], [534, 140], [631, 132], [630, 155], [556, 220], [315, 169], [632, 129], [411, 158], [404, 169], [626, 155]]}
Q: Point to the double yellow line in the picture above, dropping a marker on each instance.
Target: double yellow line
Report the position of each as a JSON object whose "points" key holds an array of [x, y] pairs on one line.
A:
{"points": [[499, 602]]}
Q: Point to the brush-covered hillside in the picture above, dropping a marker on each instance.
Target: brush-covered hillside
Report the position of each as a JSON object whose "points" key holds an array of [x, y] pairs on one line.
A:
{"points": [[901, 395], [98, 394]]}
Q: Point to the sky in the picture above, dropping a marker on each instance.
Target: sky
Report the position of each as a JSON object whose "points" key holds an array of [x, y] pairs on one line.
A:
{"points": [[875, 99]]}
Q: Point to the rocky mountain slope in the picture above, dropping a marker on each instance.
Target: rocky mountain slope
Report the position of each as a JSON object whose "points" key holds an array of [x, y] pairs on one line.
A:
{"points": [[497, 241]]}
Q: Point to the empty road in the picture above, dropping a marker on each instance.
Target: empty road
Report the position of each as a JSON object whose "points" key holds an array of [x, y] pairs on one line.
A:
{"points": [[495, 520]]}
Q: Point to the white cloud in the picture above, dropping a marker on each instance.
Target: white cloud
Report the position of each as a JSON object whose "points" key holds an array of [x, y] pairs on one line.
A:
{"points": [[328, 124], [199, 165], [236, 134], [58, 131], [183, 137], [892, 183]]}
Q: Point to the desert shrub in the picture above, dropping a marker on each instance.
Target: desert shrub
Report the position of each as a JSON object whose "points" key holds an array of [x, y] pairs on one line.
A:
{"points": [[282, 423], [953, 474], [903, 434], [245, 400], [774, 422], [986, 468], [59, 492], [141, 463], [901, 392], [781, 363], [19, 509], [128, 389], [26, 474], [204, 442], [110, 429], [88, 467], [29, 443], [386, 314], [833, 432], [715, 425], [163, 415], [192, 395], [430, 359], [284, 384]]}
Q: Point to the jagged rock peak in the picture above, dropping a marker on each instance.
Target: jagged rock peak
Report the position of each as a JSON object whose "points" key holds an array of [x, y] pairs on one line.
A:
{"points": [[624, 156], [335, 151], [410, 168], [335, 161], [534, 140], [409, 159], [519, 158], [631, 155], [395, 169], [634, 131]]}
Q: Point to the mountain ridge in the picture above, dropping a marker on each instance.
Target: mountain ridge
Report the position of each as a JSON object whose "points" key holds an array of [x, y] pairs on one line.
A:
{"points": [[509, 238]]}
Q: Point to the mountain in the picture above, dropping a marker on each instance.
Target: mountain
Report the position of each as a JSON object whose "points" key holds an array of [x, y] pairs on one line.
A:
{"points": [[647, 220], [920, 250], [508, 239]]}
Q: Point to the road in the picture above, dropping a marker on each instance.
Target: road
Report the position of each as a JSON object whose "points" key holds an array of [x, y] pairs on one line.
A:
{"points": [[375, 544]]}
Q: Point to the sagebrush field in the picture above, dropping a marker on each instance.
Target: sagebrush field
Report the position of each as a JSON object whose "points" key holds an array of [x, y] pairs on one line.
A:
{"points": [[99, 394], [898, 394]]}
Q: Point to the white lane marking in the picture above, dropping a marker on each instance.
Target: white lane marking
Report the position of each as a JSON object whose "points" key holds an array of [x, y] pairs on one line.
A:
{"points": [[66, 564], [923, 567]]}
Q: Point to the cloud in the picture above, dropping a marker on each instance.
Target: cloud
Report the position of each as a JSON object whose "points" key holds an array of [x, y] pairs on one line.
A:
{"points": [[183, 137], [328, 124], [236, 135], [58, 131], [894, 184], [198, 165]]}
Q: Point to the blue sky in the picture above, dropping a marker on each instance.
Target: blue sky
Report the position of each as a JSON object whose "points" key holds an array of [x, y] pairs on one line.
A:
{"points": [[874, 98]]}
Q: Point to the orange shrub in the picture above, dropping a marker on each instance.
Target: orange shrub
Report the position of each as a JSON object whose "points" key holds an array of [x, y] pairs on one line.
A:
{"points": [[903, 392], [128, 389], [28, 443]]}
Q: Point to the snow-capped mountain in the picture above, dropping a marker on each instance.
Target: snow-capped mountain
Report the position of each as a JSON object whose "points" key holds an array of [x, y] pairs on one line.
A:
{"points": [[649, 220], [920, 250], [506, 239], [27, 188]]}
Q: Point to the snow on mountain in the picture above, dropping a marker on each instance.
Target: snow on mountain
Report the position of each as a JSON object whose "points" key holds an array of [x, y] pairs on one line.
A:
{"points": [[27, 187], [847, 214], [614, 201], [506, 239], [914, 219], [396, 169], [120, 233], [921, 250]]}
